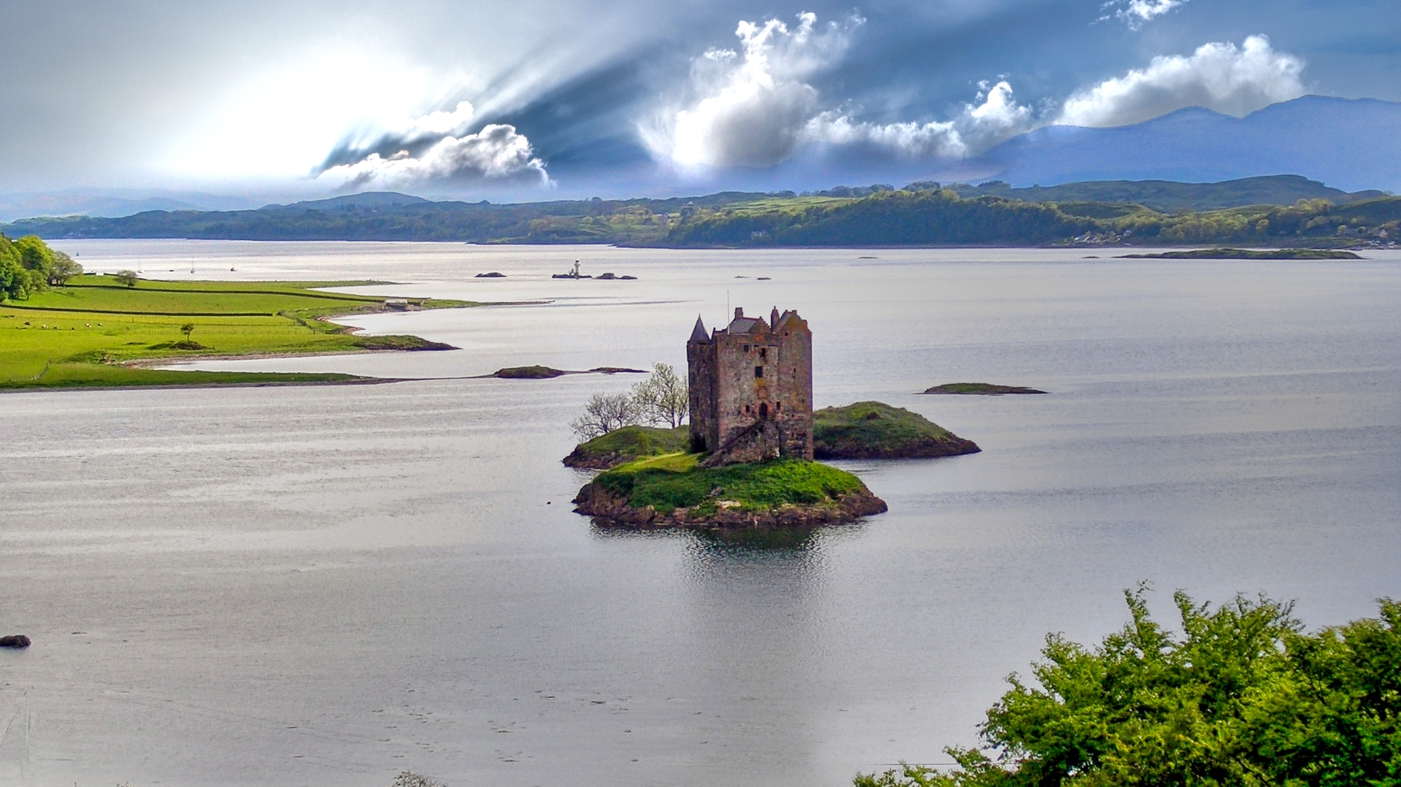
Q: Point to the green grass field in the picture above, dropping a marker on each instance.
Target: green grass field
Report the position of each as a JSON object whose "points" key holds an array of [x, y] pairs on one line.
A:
{"points": [[88, 333]]}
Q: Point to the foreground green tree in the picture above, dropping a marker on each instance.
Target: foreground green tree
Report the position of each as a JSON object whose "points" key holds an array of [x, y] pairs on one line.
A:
{"points": [[63, 268], [37, 259], [14, 279], [1242, 697]]}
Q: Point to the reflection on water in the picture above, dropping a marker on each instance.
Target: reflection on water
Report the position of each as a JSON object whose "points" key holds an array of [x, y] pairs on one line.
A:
{"points": [[329, 585], [758, 543]]}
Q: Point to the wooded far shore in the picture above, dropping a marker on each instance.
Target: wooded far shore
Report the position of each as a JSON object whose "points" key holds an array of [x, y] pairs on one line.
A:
{"points": [[1276, 211]]}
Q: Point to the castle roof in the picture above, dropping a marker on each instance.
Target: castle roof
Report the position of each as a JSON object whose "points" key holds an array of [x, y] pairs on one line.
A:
{"points": [[698, 333], [744, 325], [790, 321]]}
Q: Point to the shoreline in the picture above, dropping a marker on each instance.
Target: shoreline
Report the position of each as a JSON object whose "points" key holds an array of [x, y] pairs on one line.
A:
{"points": [[350, 380], [95, 363]]}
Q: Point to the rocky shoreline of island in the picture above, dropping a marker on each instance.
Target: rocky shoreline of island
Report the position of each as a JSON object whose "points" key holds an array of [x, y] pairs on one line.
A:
{"points": [[678, 492], [610, 509]]}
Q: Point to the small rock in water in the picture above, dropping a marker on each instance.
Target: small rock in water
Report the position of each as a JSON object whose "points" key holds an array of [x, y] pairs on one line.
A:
{"points": [[491, 275], [14, 641]]}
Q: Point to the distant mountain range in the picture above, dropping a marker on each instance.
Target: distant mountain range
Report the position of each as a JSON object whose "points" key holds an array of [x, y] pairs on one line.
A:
{"points": [[111, 203], [1351, 144]]}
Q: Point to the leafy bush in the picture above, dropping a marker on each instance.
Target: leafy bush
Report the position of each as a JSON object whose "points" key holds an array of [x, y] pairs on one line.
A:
{"points": [[1242, 697], [25, 266]]}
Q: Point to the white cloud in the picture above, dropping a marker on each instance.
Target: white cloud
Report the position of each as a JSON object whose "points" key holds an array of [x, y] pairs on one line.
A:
{"points": [[1135, 13], [976, 128], [755, 108], [1218, 76], [440, 123], [749, 108], [497, 152], [912, 139]]}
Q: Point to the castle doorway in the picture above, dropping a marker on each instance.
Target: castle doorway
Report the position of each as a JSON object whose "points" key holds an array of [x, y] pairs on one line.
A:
{"points": [[764, 411]]}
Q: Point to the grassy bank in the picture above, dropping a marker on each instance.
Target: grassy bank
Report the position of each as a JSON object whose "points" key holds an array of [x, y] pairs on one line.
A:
{"points": [[626, 444], [91, 332], [875, 430]]}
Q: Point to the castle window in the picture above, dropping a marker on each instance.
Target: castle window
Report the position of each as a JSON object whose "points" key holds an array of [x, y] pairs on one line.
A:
{"points": [[763, 352], [758, 372], [746, 348]]}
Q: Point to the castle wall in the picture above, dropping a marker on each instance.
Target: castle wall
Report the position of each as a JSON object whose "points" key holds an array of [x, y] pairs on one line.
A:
{"points": [[701, 374], [749, 378], [795, 383]]}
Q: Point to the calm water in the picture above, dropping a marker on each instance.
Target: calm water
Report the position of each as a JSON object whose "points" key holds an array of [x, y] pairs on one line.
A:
{"points": [[328, 585]]}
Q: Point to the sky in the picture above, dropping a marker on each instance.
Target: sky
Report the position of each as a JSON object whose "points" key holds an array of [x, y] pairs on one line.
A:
{"points": [[553, 99]]}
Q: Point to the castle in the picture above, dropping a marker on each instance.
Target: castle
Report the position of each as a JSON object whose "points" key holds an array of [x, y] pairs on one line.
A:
{"points": [[751, 389]]}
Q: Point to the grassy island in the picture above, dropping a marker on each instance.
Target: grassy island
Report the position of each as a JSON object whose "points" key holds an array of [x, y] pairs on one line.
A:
{"points": [[538, 372], [99, 331], [874, 430], [980, 389], [673, 490], [1246, 254]]}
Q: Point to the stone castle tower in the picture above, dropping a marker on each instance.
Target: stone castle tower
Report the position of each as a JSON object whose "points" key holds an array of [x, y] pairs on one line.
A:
{"points": [[751, 389]]}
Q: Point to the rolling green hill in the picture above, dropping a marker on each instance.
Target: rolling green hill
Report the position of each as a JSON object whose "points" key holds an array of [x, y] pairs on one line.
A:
{"points": [[1168, 196], [1276, 211]]}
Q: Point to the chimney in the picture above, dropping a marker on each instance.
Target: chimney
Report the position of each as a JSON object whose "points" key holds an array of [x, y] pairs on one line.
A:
{"points": [[739, 312], [773, 318]]}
